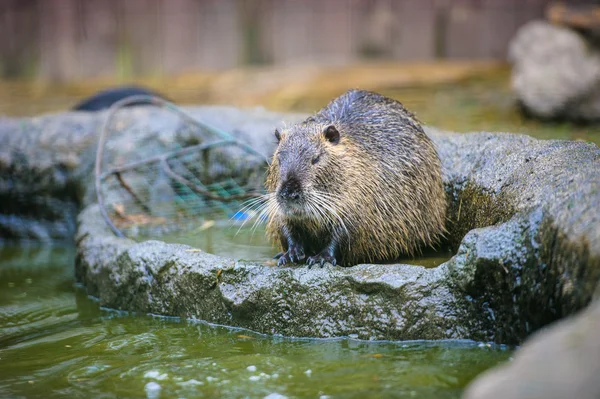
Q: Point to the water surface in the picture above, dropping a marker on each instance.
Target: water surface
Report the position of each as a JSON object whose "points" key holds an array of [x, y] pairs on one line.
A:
{"points": [[56, 342]]}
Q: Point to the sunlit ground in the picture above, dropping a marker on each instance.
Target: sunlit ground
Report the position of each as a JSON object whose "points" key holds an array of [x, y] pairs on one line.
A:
{"points": [[460, 96]]}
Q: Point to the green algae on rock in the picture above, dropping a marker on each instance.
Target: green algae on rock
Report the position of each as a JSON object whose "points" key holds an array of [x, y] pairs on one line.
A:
{"points": [[524, 217]]}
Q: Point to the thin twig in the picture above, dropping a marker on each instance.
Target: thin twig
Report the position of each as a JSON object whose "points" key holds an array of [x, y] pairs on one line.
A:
{"points": [[128, 188]]}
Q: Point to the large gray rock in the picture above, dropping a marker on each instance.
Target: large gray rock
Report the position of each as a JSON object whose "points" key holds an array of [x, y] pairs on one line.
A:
{"points": [[556, 72], [544, 262], [46, 162], [524, 219], [560, 362], [39, 158], [368, 301]]}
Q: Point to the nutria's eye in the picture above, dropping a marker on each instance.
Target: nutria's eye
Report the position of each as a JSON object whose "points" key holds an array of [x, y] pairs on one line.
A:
{"points": [[277, 135], [331, 134], [316, 159]]}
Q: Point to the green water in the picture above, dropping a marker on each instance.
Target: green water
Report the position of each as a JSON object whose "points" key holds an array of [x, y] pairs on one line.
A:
{"points": [[56, 342]]}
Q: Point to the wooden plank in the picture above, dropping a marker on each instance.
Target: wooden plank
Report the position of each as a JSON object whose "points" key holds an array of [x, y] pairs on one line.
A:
{"points": [[372, 22], [414, 30], [19, 47], [180, 35], [331, 31], [139, 48], [219, 45], [292, 42], [499, 25], [463, 30], [8, 65], [98, 38], [528, 10], [266, 34], [256, 33], [60, 58]]}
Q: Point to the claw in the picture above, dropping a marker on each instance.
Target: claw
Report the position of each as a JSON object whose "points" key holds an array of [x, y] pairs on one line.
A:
{"points": [[294, 254], [321, 259], [282, 260], [299, 252]]}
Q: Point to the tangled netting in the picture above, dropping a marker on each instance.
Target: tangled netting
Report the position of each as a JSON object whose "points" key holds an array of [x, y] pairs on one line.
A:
{"points": [[173, 174]]}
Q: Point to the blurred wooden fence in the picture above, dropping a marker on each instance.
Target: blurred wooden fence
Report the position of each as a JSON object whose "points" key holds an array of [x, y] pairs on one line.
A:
{"points": [[77, 39]]}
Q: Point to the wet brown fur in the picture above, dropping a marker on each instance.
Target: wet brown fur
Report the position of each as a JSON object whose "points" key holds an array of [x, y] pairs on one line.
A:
{"points": [[383, 179]]}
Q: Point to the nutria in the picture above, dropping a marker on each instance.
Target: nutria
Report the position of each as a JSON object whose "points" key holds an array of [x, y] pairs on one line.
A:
{"points": [[360, 181], [104, 99]]}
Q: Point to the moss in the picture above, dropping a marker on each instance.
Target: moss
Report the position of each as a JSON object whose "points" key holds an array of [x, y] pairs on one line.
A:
{"points": [[513, 279], [471, 207]]}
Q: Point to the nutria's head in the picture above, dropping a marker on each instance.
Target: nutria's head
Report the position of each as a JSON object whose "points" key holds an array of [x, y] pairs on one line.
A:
{"points": [[304, 176]]}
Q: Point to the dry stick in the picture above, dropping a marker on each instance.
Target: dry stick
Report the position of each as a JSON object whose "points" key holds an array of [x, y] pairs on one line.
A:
{"points": [[128, 188]]}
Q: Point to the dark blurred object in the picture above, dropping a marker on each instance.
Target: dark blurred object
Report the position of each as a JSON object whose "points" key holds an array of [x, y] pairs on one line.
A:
{"points": [[105, 98], [585, 17]]}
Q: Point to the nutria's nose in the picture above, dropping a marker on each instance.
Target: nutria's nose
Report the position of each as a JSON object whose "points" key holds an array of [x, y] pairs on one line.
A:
{"points": [[290, 190]]}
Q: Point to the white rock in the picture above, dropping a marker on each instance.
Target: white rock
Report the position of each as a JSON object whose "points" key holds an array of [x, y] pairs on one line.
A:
{"points": [[152, 390], [275, 395]]}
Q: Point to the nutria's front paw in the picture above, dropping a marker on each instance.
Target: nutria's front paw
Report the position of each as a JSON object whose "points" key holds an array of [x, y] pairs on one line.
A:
{"points": [[321, 259], [295, 253]]}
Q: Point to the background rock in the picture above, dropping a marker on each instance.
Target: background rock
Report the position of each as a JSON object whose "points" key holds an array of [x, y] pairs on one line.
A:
{"points": [[556, 72]]}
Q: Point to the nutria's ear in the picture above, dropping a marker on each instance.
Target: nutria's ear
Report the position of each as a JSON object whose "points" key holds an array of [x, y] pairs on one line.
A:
{"points": [[332, 134], [277, 135]]}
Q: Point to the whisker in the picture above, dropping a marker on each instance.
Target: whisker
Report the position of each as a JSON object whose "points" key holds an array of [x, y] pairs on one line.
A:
{"points": [[259, 217], [322, 210], [258, 211], [257, 205], [322, 199], [271, 206], [248, 204]]}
